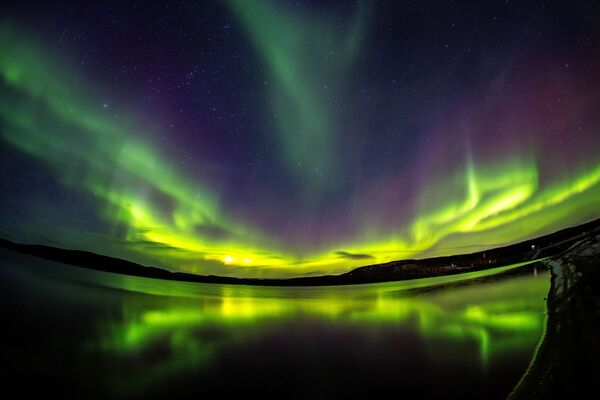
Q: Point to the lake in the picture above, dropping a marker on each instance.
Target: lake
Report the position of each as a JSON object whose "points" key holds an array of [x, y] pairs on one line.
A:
{"points": [[98, 334]]}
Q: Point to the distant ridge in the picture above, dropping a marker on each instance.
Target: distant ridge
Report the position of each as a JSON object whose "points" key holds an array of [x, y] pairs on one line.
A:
{"points": [[532, 249]]}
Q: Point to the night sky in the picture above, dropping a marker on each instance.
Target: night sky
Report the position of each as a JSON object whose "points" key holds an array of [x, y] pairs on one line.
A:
{"points": [[289, 138]]}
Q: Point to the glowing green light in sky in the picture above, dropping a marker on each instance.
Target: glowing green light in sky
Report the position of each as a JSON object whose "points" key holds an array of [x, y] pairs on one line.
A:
{"points": [[308, 64], [47, 112]]}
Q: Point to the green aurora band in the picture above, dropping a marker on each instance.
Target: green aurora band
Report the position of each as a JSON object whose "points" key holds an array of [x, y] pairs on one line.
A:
{"points": [[306, 78], [48, 111]]}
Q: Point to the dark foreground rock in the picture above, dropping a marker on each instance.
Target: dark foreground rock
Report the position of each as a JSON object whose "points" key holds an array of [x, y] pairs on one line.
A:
{"points": [[567, 363]]}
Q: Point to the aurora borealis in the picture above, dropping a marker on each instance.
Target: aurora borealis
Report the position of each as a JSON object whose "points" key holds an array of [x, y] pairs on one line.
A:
{"points": [[277, 139]]}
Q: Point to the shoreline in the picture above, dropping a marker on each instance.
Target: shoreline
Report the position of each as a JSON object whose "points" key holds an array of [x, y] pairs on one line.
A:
{"points": [[567, 360], [529, 250]]}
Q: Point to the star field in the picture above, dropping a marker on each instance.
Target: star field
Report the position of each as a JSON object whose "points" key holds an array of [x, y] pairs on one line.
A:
{"points": [[287, 138]]}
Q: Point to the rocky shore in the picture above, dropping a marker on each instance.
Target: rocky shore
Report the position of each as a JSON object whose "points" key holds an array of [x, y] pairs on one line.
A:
{"points": [[567, 362]]}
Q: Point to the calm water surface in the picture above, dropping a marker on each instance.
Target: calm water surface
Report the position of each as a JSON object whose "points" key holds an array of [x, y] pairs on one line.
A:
{"points": [[99, 334]]}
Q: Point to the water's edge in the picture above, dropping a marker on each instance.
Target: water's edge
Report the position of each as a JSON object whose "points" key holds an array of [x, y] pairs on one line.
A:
{"points": [[567, 361]]}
